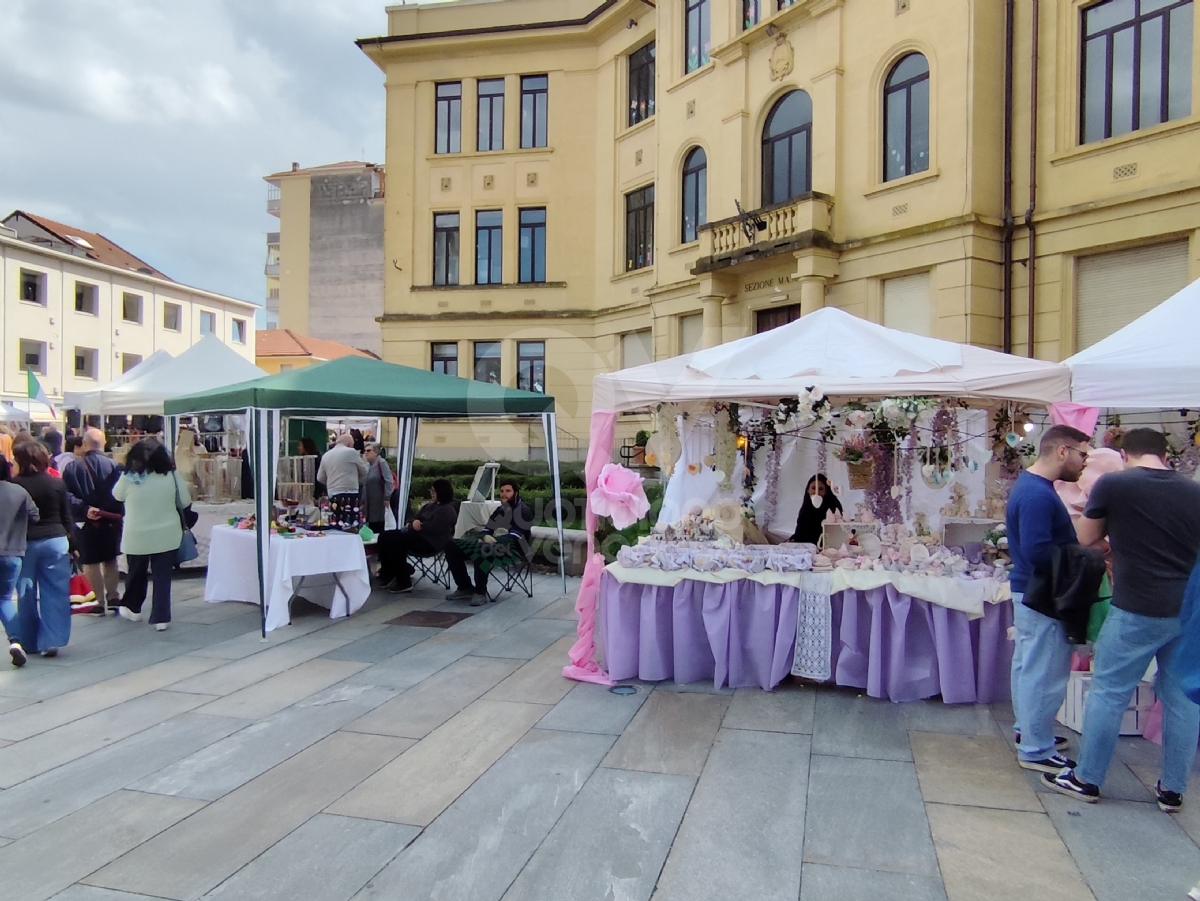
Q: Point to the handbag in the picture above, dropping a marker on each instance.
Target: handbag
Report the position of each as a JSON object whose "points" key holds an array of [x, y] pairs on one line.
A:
{"points": [[187, 550]]}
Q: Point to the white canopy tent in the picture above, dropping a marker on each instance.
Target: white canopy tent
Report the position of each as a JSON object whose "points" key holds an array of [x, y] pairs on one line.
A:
{"points": [[1152, 363], [842, 354], [92, 401]]}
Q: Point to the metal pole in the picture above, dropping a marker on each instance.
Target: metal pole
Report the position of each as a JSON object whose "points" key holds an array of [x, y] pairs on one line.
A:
{"points": [[258, 422], [550, 426]]}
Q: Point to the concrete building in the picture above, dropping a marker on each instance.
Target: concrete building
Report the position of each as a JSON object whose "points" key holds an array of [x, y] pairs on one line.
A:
{"points": [[281, 349], [579, 186], [326, 262], [79, 310]]}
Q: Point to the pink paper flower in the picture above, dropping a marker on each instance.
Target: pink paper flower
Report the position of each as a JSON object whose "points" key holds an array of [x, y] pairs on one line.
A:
{"points": [[619, 494]]}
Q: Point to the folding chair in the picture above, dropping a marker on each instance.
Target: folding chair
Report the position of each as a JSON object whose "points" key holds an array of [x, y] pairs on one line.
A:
{"points": [[434, 568], [514, 576]]}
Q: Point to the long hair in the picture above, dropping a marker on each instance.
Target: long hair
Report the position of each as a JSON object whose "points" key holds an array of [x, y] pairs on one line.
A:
{"points": [[31, 456], [148, 455]]}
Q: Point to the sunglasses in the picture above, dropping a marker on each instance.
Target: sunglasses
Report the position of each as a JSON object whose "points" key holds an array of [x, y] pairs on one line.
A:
{"points": [[1083, 455]]}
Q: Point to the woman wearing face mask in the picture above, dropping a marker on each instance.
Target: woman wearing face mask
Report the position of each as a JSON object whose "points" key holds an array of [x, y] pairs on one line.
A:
{"points": [[819, 500]]}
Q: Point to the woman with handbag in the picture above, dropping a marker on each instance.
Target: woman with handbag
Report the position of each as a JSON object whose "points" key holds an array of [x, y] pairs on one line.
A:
{"points": [[154, 497], [377, 489]]}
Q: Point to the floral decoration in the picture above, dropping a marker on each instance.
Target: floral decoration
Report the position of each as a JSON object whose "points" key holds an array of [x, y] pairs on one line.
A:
{"points": [[619, 495]]}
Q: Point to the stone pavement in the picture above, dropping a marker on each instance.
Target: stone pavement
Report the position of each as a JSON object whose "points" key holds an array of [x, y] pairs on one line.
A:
{"points": [[362, 759]]}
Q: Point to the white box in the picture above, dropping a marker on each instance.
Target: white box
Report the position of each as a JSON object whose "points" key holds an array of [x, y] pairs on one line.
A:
{"points": [[1134, 721], [835, 534]]}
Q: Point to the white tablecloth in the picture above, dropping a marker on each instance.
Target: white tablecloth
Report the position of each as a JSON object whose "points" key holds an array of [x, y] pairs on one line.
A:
{"points": [[211, 516], [233, 571], [473, 514]]}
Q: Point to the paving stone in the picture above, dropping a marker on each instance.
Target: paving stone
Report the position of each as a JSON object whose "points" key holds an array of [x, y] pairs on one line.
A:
{"points": [[526, 639], [502, 616], [7, 704], [476, 848], [961, 719], [53, 795], [65, 708], [748, 807], [1004, 855], [563, 608], [387, 642], [44, 752], [889, 833], [421, 709], [1189, 817], [671, 733], [846, 724], [1125, 849], [593, 708], [224, 765], [419, 662], [91, 893], [980, 771], [209, 614], [216, 842], [285, 689], [49, 860], [329, 858], [250, 643], [636, 813], [823, 883], [789, 708], [426, 779], [540, 681], [703, 687], [230, 677]]}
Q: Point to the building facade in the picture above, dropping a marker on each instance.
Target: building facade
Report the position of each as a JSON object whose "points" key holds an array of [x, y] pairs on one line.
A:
{"points": [[325, 267], [79, 310], [579, 186], [281, 350]]}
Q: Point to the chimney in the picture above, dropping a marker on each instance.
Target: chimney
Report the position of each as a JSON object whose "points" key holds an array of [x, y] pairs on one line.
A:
{"points": [[295, 167]]}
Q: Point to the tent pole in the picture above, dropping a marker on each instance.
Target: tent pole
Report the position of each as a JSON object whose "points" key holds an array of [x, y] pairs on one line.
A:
{"points": [[260, 442], [550, 427], [172, 427]]}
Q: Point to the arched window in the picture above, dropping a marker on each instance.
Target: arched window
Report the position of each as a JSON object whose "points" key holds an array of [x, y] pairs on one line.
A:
{"points": [[906, 118], [787, 149], [695, 193]]}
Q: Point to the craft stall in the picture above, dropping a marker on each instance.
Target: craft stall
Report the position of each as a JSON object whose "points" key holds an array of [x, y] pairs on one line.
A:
{"points": [[833, 509]]}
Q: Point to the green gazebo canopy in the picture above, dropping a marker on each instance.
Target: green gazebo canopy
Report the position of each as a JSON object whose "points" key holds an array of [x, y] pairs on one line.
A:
{"points": [[367, 386]]}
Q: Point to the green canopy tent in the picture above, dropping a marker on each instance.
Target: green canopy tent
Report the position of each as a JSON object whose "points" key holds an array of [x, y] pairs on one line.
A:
{"points": [[367, 387]]}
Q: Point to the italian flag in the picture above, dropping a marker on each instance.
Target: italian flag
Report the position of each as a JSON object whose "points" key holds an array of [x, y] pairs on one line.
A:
{"points": [[36, 392]]}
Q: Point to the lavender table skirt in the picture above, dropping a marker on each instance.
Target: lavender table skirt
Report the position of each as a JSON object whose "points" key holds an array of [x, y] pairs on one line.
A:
{"points": [[743, 634]]}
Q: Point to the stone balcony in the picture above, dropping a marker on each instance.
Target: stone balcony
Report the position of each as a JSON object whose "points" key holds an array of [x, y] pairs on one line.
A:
{"points": [[796, 224]]}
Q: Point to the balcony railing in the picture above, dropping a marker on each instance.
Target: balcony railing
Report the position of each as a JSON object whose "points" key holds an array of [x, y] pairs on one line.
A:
{"points": [[271, 270], [772, 229], [273, 199]]}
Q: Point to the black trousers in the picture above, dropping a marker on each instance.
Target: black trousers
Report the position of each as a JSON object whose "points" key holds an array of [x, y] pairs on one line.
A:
{"points": [[457, 561], [395, 547], [160, 566]]}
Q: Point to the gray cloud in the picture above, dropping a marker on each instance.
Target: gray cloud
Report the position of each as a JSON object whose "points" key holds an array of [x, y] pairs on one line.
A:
{"points": [[153, 121]]}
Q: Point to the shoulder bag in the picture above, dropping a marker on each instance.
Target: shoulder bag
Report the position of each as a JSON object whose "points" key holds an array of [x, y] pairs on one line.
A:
{"points": [[187, 518]]}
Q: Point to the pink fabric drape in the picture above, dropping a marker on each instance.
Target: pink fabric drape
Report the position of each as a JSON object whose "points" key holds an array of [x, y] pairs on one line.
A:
{"points": [[1078, 416], [583, 666]]}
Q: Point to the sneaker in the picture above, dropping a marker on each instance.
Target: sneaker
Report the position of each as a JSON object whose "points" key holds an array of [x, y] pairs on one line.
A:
{"points": [[398, 587], [1055, 763], [1169, 802], [478, 600], [1061, 742], [161, 627], [126, 613], [17, 653], [1194, 894], [50, 652], [460, 595], [1066, 783]]}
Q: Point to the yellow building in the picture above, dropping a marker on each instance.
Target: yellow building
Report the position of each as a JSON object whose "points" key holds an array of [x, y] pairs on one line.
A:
{"points": [[579, 186]]}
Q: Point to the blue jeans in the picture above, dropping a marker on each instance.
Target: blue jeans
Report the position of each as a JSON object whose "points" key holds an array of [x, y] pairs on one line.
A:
{"points": [[1041, 668], [44, 611], [1126, 645], [10, 569]]}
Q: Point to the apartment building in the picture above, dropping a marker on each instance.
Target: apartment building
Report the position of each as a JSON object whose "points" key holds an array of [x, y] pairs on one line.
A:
{"points": [[578, 186], [80, 310]]}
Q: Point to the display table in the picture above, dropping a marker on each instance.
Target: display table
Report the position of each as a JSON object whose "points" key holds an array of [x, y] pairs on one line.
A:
{"points": [[233, 572], [740, 629], [210, 516], [473, 515]]}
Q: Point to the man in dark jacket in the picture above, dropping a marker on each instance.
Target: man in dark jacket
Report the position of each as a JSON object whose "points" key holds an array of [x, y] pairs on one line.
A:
{"points": [[89, 481], [504, 539], [425, 535]]}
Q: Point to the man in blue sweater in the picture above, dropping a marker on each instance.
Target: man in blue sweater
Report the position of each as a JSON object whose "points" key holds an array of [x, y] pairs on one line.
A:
{"points": [[1038, 522]]}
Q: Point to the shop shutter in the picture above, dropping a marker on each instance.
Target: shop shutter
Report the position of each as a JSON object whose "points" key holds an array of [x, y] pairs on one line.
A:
{"points": [[691, 333], [637, 349], [908, 304], [1113, 289]]}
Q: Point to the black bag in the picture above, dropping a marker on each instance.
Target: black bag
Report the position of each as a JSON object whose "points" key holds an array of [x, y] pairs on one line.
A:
{"points": [[1067, 588]]}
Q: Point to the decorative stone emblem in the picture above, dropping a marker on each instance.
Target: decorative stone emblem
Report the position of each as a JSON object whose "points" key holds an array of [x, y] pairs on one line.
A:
{"points": [[783, 58]]}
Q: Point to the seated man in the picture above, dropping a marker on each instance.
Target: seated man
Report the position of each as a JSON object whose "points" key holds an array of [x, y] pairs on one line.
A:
{"points": [[426, 534], [503, 540]]}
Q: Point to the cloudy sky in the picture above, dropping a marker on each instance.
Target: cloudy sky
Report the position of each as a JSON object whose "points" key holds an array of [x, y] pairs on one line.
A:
{"points": [[154, 121]]}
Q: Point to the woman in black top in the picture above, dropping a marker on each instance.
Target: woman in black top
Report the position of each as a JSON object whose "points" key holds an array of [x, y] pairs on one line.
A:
{"points": [[819, 500], [44, 605]]}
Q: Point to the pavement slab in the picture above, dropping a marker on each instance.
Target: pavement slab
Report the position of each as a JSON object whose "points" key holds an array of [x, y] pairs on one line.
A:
{"points": [[540, 681], [387, 642], [38, 680], [636, 813], [297, 869], [593, 708], [421, 709], [980, 771], [421, 783], [733, 841], [526, 639], [476, 848], [671, 733], [214, 843], [819, 882], [502, 616], [789, 708], [91, 893], [1004, 855], [847, 724], [404, 670], [961, 719], [285, 689], [1189, 817], [230, 677], [889, 833], [563, 608]]}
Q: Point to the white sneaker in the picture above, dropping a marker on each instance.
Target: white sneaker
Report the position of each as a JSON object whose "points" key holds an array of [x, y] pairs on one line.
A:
{"points": [[1194, 894], [161, 627], [126, 613]]}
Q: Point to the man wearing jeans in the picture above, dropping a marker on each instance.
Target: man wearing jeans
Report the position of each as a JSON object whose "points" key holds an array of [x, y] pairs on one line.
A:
{"points": [[1151, 515], [1038, 522], [17, 513]]}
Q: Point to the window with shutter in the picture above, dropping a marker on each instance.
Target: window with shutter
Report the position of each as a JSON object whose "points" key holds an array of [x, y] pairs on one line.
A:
{"points": [[691, 333], [637, 349], [908, 304], [1113, 289]]}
